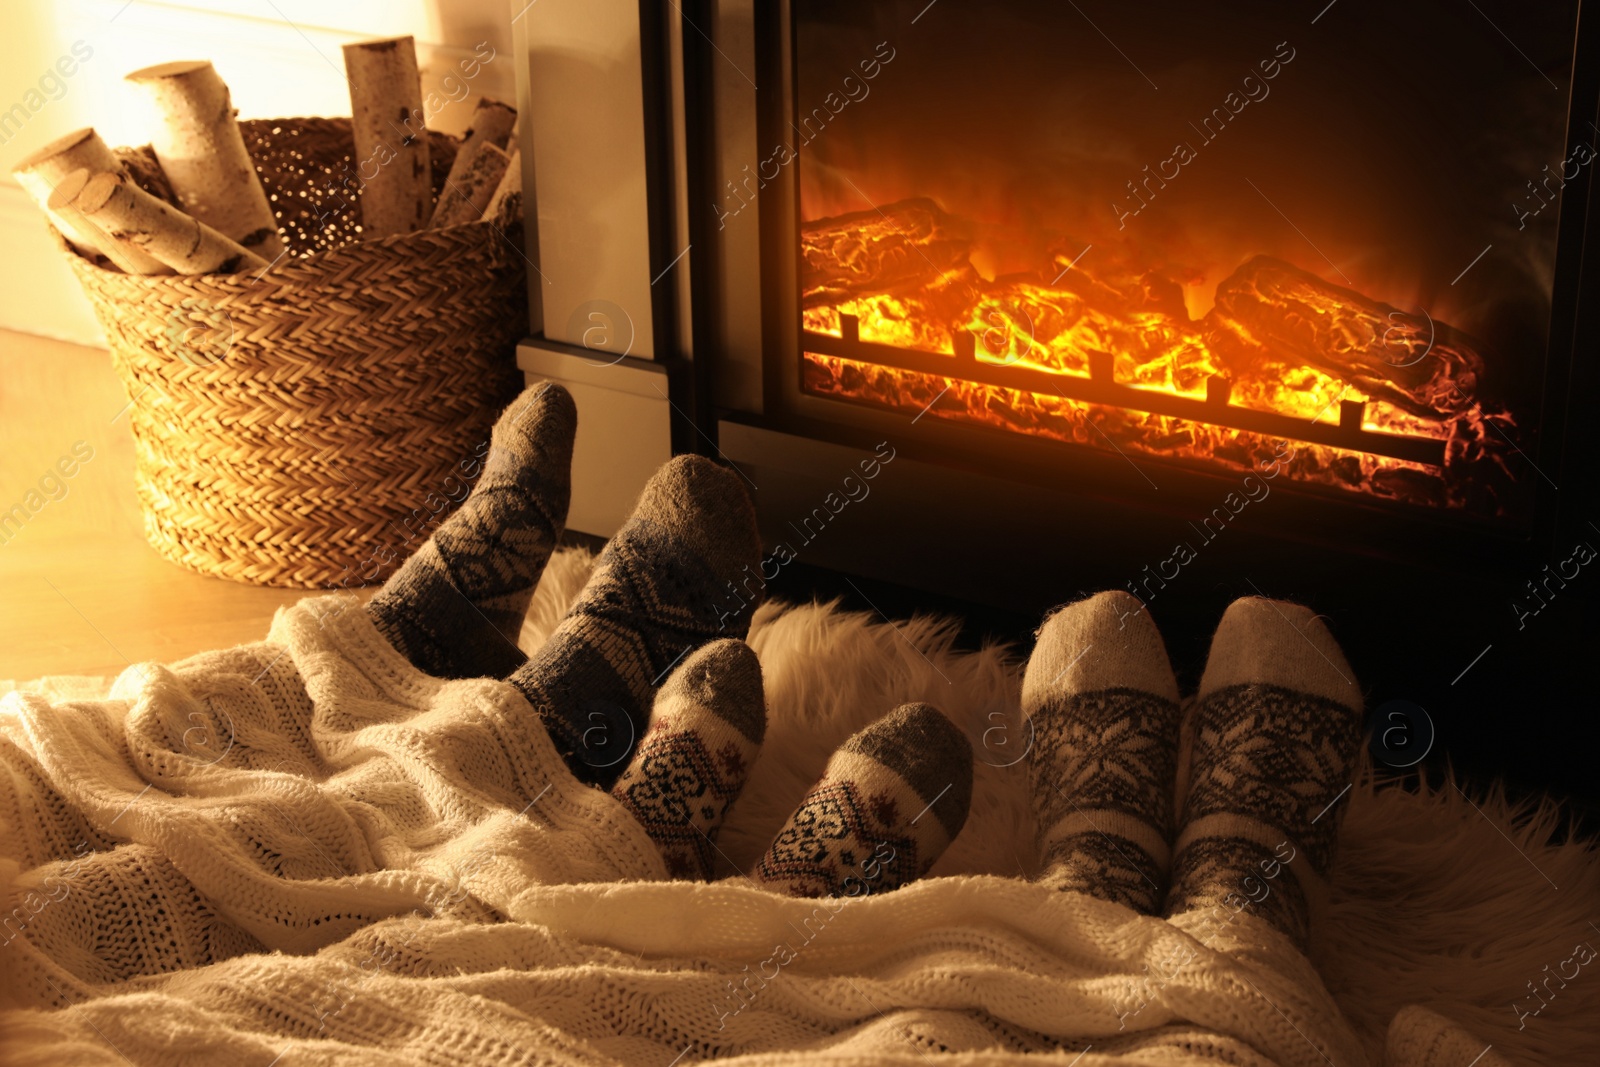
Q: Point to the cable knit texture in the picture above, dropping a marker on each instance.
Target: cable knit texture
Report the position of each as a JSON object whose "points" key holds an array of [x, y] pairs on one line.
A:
{"points": [[305, 848]]}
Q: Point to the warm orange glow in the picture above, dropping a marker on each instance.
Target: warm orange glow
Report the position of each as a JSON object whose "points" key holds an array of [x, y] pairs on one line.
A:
{"points": [[1279, 341]]}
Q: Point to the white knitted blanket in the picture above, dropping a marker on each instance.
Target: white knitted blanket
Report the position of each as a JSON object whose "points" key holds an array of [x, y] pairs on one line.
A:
{"points": [[306, 851]]}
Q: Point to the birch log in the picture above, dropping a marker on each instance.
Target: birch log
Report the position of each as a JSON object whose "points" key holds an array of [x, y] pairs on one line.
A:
{"points": [[466, 200], [129, 214], [388, 123], [198, 144], [492, 123], [40, 173], [140, 164], [507, 198]]}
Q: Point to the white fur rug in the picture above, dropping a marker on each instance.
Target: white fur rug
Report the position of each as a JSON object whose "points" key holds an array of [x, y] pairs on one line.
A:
{"points": [[1451, 902]]}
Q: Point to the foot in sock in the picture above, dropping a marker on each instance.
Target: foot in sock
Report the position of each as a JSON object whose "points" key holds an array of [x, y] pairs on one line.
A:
{"points": [[892, 799], [1276, 729], [657, 594], [1102, 701], [454, 609], [704, 733]]}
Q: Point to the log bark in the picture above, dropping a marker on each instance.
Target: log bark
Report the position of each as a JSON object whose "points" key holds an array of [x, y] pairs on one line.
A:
{"points": [[1268, 313], [390, 133], [506, 203], [40, 173], [468, 199], [202, 152], [129, 214], [492, 123], [141, 165], [905, 246]]}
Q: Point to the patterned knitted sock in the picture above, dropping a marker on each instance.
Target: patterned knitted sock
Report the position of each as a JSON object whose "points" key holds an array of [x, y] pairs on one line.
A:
{"points": [[1103, 703], [659, 592], [892, 799], [454, 609], [704, 733], [1276, 727]]}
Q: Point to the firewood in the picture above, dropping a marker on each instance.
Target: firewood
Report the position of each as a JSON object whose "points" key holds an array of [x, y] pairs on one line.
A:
{"points": [[40, 173], [141, 165], [1270, 313], [466, 200], [506, 202], [201, 151], [129, 214], [492, 123], [906, 245], [387, 122]]}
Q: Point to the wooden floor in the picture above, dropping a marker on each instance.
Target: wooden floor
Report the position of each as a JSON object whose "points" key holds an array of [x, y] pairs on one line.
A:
{"points": [[80, 590]]}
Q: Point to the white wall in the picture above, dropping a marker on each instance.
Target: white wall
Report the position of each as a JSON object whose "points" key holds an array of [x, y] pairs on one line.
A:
{"points": [[281, 58]]}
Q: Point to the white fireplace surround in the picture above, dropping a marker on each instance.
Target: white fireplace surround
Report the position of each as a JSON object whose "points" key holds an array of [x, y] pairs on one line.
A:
{"points": [[609, 240]]}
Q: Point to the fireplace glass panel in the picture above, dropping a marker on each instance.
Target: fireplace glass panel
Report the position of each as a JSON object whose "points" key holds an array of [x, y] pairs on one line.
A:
{"points": [[1237, 238]]}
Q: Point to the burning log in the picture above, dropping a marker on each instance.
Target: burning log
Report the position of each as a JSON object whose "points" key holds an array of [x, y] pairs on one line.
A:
{"points": [[1111, 281], [1380, 401], [906, 246], [1270, 313]]}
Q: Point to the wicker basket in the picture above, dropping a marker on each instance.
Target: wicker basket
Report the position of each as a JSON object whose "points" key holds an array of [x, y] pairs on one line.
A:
{"points": [[296, 427]]}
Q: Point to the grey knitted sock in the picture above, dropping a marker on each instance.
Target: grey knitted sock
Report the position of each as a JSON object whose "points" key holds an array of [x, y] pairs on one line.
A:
{"points": [[1103, 703], [657, 594], [704, 733], [454, 609], [891, 800], [1276, 729]]}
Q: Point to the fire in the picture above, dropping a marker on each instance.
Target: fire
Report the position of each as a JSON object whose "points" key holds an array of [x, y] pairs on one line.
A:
{"points": [[1279, 341]]}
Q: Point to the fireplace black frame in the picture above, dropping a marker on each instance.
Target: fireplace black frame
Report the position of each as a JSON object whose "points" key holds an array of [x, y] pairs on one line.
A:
{"points": [[1062, 484]]}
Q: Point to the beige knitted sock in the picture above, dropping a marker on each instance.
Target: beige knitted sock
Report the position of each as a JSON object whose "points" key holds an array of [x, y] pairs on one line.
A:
{"points": [[892, 799], [1103, 703], [692, 764], [657, 594], [1276, 728]]}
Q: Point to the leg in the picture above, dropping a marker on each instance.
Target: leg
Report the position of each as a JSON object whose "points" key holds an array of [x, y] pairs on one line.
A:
{"points": [[892, 799], [704, 733], [1276, 730], [455, 607], [1103, 703], [661, 591]]}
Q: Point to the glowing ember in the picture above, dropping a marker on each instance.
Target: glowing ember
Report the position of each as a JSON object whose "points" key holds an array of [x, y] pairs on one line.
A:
{"points": [[1280, 342]]}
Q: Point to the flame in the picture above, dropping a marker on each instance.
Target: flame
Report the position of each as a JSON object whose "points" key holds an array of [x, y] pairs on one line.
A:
{"points": [[1257, 339]]}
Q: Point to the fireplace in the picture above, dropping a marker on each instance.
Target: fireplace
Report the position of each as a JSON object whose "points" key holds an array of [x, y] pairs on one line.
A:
{"points": [[1047, 244], [995, 305], [1083, 270]]}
